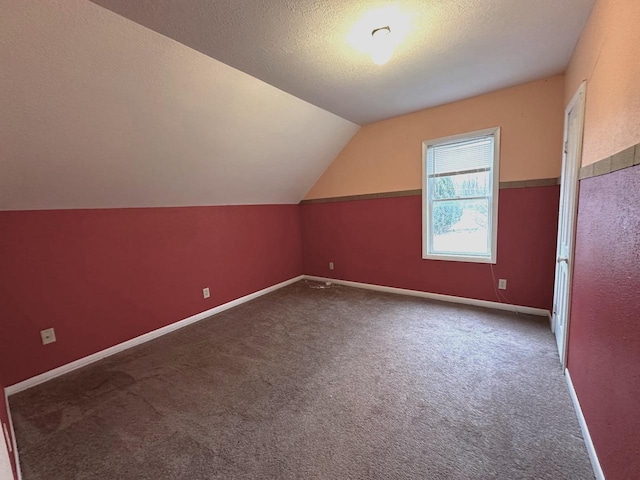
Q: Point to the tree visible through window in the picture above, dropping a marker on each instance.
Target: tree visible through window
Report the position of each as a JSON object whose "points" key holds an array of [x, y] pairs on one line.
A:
{"points": [[460, 180]]}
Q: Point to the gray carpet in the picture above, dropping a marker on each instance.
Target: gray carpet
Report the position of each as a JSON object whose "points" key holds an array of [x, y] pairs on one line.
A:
{"points": [[315, 384]]}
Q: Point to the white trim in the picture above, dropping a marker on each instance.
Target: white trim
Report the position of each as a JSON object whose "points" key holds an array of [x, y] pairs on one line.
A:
{"points": [[427, 206], [16, 456], [436, 296], [69, 367], [579, 100], [595, 463], [459, 258]]}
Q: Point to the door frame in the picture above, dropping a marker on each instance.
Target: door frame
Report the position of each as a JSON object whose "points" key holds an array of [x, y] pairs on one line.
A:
{"points": [[578, 100]]}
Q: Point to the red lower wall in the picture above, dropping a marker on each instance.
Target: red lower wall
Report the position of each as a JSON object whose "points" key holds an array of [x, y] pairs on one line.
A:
{"points": [[604, 333], [100, 277], [379, 241]]}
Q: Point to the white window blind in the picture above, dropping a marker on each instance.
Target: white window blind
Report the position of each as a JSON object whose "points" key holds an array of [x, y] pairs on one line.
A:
{"points": [[475, 154]]}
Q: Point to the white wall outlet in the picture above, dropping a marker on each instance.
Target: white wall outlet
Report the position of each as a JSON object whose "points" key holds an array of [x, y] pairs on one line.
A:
{"points": [[330, 265], [502, 284], [48, 336], [206, 293]]}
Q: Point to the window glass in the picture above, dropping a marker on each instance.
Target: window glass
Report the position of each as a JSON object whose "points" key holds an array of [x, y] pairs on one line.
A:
{"points": [[460, 197]]}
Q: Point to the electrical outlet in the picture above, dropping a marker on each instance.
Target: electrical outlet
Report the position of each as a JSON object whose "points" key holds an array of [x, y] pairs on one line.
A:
{"points": [[330, 265], [502, 284], [206, 293], [48, 336]]}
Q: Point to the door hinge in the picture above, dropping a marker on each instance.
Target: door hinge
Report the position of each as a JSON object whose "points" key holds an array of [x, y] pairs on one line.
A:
{"points": [[566, 147]]}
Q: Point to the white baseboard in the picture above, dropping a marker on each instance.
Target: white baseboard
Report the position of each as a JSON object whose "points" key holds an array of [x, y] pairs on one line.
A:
{"points": [[69, 367], [14, 443], [436, 296], [595, 463], [56, 372]]}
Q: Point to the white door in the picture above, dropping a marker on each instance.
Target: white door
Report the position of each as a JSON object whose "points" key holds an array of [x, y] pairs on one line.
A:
{"points": [[573, 126], [6, 472]]}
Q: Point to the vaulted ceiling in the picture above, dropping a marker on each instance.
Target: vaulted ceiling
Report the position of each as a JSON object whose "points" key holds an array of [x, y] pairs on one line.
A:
{"points": [[316, 49], [139, 103], [98, 111]]}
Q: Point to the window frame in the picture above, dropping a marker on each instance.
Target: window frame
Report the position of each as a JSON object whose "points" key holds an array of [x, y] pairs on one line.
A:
{"points": [[427, 205]]}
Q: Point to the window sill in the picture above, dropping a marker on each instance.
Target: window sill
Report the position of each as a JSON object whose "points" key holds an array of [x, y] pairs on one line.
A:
{"points": [[459, 258]]}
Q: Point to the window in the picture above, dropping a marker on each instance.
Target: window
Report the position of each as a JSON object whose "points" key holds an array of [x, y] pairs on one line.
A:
{"points": [[460, 197]]}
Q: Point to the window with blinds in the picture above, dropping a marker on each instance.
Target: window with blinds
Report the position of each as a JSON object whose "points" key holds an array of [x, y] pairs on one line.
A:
{"points": [[460, 197]]}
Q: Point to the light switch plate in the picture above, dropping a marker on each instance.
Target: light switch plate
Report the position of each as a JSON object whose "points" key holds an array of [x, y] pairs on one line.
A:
{"points": [[206, 293]]}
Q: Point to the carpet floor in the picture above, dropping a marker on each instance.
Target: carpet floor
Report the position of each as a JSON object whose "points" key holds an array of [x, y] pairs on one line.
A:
{"points": [[308, 383]]}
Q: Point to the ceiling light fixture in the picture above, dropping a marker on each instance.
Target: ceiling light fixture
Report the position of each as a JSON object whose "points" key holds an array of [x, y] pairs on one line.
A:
{"points": [[381, 45], [380, 32]]}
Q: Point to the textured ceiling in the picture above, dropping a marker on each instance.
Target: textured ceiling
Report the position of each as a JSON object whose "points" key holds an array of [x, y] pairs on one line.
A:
{"points": [[451, 49], [98, 111]]}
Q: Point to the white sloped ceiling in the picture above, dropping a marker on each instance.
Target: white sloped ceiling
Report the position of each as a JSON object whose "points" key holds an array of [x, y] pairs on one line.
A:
{"points": [[446, 50], [99, 112]]}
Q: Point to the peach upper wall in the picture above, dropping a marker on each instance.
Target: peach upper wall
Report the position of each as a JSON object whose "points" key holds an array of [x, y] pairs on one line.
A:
{"points": [[386, 156], [608, 57]]}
